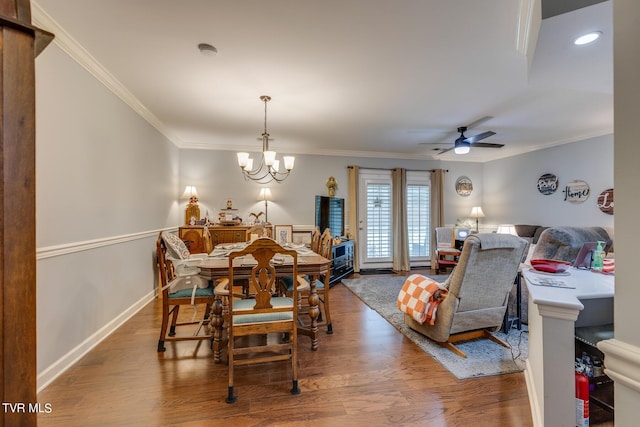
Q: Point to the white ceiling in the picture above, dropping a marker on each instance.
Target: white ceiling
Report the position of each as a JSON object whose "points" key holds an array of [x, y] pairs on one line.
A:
{"points": [[347, 77]]}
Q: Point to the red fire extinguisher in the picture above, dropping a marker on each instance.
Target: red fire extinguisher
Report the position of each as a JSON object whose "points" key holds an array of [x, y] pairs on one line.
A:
{"points": [[582, 398]]}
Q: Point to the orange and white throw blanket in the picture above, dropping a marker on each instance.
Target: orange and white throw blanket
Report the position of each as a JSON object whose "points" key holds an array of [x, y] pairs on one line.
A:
{"points": [[420, 297]]}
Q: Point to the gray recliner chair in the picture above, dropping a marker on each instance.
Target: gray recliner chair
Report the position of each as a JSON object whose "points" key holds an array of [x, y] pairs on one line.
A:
{"points": [[478, 290]]}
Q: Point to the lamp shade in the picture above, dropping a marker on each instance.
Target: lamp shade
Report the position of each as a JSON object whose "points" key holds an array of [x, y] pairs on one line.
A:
{"points": [[189, 191], [476, 212], [507, 229], [265, 194]]}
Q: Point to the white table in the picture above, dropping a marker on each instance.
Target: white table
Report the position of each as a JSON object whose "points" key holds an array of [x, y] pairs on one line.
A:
{"points": [[553, 316]]}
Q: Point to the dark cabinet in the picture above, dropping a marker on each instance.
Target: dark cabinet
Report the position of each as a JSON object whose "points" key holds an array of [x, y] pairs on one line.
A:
{"points": [[341, 261]]}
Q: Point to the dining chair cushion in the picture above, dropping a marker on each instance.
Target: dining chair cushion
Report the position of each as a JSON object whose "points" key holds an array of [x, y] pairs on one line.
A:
{"points": [[247, 304], [187, 293]]}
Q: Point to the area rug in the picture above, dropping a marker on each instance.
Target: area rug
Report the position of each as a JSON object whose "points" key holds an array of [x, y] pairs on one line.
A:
{"points": [[484, 357]]}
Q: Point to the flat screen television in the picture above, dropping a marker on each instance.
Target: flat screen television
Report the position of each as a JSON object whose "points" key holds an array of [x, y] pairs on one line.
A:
{"points": [[330, 214]]}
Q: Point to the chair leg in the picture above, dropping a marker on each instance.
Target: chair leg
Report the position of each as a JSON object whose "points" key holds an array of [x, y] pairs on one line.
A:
{"points": [[327, 311], [163, 328], [174, 320], [295, 389], [230, 397], [448, 345]]}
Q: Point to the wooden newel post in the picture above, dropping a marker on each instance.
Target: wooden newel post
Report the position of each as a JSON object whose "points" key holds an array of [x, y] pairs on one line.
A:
{"points": [[20, 42]]}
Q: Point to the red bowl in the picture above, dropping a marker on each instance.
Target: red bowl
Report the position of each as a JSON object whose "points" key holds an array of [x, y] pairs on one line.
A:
{"points": [[550, 265]]}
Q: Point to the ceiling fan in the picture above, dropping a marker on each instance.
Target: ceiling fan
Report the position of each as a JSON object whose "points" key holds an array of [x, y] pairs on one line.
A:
{"points": [[463, 144]]}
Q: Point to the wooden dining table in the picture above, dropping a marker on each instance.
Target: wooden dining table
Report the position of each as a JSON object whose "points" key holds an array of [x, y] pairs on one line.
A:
{"points": [[309, 264]]}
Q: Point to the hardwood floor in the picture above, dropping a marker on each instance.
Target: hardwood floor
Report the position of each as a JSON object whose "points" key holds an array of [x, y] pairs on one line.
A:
{"points": [[366, 373]]}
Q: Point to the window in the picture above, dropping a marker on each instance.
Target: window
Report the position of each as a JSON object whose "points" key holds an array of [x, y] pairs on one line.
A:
{"points": [[418, 221], [379, 220]]}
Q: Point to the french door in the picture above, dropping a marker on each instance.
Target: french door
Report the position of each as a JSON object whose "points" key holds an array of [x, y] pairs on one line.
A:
{"points": [[375, 226], [376, 246]]}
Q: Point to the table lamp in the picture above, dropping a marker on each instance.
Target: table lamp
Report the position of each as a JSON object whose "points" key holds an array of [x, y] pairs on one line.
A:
{"points": [[476, 212], [192, 211], [265, 194]]}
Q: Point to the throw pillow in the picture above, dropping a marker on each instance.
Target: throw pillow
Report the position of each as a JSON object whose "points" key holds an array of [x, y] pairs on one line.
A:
{"points": [[175, 247]]}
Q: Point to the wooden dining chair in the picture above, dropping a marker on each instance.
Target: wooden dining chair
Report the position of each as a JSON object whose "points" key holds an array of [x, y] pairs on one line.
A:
{"points": [[263, 314], [324, 248], [259, 229], [315, 240], [181, 286]]}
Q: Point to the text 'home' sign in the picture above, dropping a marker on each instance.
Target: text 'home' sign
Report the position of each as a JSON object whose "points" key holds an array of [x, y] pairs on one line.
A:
{"points": [[576, 191]]}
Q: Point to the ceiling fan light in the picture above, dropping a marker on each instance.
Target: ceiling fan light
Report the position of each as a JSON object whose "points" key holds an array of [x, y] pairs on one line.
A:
{"points": [[461, 146]]}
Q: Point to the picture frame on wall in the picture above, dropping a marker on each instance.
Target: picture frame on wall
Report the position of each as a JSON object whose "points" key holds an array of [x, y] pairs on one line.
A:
{"points": [[283, 233]]}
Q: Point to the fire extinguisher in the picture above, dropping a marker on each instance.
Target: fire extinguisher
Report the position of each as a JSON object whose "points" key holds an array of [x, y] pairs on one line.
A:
{"points": [[582, 397]]}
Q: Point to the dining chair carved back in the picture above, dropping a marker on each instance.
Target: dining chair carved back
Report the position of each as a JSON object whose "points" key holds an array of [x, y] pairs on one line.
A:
{"points": [[181, 285], [315, 240], [259, 230], [248, 321]]}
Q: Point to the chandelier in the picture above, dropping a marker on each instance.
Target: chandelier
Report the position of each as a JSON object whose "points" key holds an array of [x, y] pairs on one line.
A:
{"points": [[269, 168]]}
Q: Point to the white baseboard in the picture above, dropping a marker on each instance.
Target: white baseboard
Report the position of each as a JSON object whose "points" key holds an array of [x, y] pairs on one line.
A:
{"points": [[536, 413], [65, 362]]}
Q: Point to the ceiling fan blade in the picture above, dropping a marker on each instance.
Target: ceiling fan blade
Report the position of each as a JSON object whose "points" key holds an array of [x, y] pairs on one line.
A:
{"points": [[487, 145], [445, 150], [478, 137], [479, 122]]}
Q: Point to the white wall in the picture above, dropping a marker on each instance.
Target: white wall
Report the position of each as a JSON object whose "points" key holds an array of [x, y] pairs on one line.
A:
{"points": [[510, 194], [106, 181]]}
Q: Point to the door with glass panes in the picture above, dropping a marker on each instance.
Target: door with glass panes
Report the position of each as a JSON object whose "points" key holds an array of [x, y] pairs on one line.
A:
{"points": [[376, 216]]}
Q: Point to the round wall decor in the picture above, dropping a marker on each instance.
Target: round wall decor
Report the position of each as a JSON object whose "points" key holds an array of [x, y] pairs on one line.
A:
{"points": [[605, 201], [464, 186], [576, 191], [548, 184]]}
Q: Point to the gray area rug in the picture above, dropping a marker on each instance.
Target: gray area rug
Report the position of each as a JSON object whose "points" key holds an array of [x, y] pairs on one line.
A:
{"points": [[484, 357]]}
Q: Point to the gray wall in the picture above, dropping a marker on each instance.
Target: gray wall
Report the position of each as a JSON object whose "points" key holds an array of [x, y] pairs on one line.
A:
{"points": [[217, 177], [510, 194], [106, 181]]}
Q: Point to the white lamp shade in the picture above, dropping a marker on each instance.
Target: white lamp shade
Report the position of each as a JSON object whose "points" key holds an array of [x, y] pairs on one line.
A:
{"points": [[189, 191], [249, 165], [507, 229], [265, 194], [242, 159], [276, 166], [288, 162], [269, 157], [476, 212]]}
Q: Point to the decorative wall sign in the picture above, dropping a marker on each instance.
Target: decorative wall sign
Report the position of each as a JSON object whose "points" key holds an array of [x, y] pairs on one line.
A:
{"points": [[605, 201], [464, 186], [576, 191], [548, 184]]}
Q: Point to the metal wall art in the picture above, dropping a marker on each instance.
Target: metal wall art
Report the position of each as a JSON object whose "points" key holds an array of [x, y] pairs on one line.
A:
{"points": [[605, 201], [548, 184], [464, 186], [576, 191]]}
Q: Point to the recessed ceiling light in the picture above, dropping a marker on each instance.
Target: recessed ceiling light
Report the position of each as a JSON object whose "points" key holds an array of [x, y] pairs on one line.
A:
{"points": [[207, 49], [588, 38]]}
